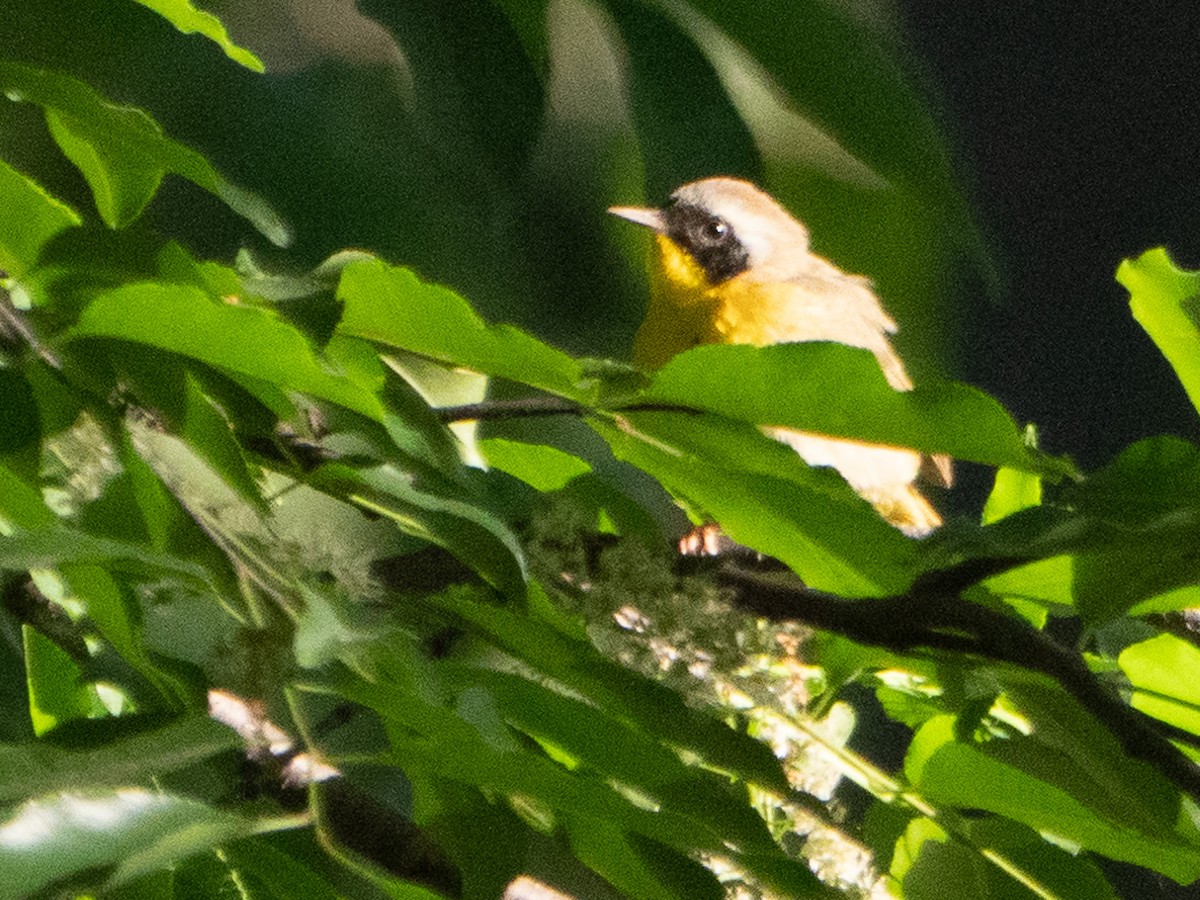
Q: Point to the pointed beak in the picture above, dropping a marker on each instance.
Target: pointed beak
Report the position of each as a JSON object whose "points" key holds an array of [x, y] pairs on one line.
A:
{"points": [[651, 218]]}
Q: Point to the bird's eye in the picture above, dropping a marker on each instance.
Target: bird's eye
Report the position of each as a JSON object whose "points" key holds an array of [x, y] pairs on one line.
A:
{"points": [[716, 229]]}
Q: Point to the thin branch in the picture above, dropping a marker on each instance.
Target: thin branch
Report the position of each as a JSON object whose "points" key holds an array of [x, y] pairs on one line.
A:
{"points": [[526, 407], [934, 616], [13, 327]]}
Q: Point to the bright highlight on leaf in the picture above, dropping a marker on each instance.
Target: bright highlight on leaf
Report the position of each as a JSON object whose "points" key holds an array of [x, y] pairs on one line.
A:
{"points": [[1166, 302], [184, 16]]}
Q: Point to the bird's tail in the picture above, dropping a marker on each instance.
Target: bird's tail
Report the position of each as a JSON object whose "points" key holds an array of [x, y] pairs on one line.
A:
{"points": [[903, 506]]}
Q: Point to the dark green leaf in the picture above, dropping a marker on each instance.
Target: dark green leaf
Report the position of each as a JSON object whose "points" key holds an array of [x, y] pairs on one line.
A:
{"points": [[639, 868], [455, 521], [27, 770], [628, 757], [122, 151], [674, 93], [1150, 478], [622, 694], [21, 431]]}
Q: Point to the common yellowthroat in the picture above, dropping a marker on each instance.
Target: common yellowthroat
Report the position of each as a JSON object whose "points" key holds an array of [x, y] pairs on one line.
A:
{"points": [[734, 267]]}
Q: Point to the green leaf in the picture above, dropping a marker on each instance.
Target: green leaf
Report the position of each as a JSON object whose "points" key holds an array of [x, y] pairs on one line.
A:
{"points": [[206, 429], [1012, 491], [764, 497], [626, 756], [1102, 566], [131, 830], [391, 306], [621, 693], [1162, 671], [31, 218], [184, 16], [122, 151], [1164, 300], [278, 871], [325, 626], [1000, 860], [57, 545], [112, 607], [456, 522], [27, 770], [57, 692], [837, 390], [22, 430], [240, 340], [476, 94], [1109, 804], [543, 467], [121, 191], [639, 868], [21, 504], [1150, 478]]}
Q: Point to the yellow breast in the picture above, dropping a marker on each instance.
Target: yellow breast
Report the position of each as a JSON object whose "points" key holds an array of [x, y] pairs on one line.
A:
{"points": [[681, 310]]}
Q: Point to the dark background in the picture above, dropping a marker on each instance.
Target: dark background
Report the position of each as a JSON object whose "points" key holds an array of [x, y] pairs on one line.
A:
{"points": [[1076, 140]]}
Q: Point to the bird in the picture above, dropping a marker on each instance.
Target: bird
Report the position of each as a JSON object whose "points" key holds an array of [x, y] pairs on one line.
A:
{"points": [[733, 266]]}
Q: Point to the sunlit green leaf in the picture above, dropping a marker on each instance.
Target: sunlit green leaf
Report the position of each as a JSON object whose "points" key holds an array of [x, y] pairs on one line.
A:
{"points": [[391, 306], [57, 692], [1053, 793], [1012, 491], [543, 467], [32, 217], [242, 340], [1164, 301], [184, 16], [836, 390], [1162, 671], [764, 497]]}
